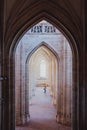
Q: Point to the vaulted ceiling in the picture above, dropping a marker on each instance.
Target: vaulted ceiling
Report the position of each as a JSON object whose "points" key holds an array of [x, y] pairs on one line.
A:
{"points": [[19, 5]]}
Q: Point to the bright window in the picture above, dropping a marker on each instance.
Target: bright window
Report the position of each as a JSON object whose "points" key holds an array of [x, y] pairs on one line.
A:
{"points": [[43, 69]]}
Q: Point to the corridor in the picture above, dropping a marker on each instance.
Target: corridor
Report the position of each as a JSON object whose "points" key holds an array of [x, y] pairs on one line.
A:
{"points": [[43, 57], [42, 113], [53, 32]]}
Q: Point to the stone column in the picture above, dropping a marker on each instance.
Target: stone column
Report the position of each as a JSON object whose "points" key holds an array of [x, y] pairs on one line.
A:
{"points": [[50, 77], [30, 81], [53, 83], [65, 84], [17, 86], [22, 86], [59, 98], [62, 88], [49, 74], [68, 84], [56, 81], [26, 88]]}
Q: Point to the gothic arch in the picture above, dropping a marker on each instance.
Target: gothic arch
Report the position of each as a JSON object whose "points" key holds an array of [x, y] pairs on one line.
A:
{"points": [[19, 26], [39, 45], [43, 44], [24, 20]]}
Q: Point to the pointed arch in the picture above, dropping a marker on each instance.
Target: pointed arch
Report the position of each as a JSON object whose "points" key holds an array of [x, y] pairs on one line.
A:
{"points": [[16, 28], [33, 56], [45, 45]]}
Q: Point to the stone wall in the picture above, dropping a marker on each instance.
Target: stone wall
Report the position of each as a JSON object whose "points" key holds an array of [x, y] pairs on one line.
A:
{"points": [[16, 16], [58, 44]]}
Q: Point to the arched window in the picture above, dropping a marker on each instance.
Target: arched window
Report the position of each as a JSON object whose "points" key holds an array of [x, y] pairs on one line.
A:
{"points": [[43, 69]]}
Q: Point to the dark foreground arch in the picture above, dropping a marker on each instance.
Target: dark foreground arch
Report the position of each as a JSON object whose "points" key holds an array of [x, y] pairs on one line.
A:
{"points": [[16, 28]]}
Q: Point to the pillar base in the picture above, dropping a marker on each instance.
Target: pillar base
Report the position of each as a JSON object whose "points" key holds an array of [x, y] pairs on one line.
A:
{"points": [[27, 118], [18, 122], [64, 121]]}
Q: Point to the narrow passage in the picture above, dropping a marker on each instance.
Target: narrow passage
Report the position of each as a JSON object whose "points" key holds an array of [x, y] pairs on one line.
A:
{"points": [[42, 113]]}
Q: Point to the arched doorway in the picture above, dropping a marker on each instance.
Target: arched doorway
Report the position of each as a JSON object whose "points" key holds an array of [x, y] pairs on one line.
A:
{"points": [[43, 64], [65, 78], [26, 23]]}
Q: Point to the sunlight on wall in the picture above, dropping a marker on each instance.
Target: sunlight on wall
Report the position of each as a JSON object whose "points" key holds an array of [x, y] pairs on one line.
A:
{"points": [[43, 69]]}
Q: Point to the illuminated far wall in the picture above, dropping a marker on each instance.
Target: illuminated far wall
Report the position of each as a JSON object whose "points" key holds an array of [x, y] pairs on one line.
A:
{"points": [[59, 79], [43, 70], [59, 72]]}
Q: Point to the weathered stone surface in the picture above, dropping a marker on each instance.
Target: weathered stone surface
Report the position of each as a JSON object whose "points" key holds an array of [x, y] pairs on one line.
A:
{"points": [[16, 16]]}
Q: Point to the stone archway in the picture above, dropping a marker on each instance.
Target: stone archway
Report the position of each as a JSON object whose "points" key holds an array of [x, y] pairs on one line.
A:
{"points": [[9, 54], [46, 52], [23, 113], [51, 79], [63, 115]]}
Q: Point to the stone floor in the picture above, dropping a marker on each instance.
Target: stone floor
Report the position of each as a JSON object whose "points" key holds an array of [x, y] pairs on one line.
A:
{"points": [[42, 113]]}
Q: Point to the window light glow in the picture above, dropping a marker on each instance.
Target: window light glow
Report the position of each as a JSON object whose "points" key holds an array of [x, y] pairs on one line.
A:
{"points": [[43, 69]]}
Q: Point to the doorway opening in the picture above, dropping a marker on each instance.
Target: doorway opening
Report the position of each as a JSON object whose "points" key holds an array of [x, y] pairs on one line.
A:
{"points": [[43, 89], [43, 69], [44, 46]]}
